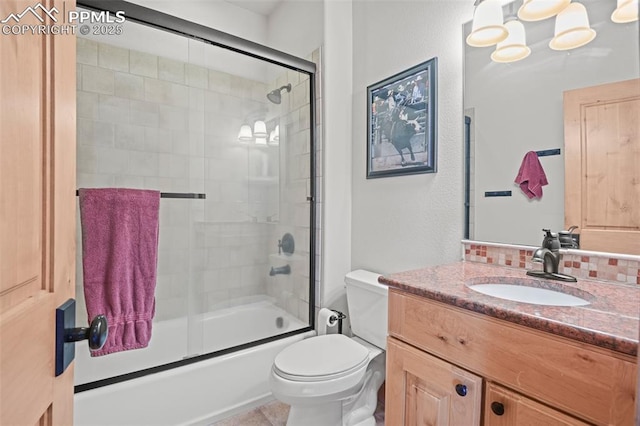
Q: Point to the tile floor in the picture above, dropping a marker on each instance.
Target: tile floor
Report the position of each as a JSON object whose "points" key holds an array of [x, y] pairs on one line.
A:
{"points": [[272, 414], [275, 414]]}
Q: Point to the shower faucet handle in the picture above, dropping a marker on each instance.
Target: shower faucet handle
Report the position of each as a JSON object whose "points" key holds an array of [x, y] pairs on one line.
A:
{"points": [[286, 244]]}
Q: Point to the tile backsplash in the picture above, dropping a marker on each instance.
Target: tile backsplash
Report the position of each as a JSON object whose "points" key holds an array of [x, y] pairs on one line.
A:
{"points": [[578, 263]]}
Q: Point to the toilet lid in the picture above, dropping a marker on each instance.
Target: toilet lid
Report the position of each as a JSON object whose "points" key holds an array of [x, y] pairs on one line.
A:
{"points": [[318, 357]]}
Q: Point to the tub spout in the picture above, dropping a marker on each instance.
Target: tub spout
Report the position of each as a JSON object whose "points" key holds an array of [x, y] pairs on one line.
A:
{"points": [[285, 270]]}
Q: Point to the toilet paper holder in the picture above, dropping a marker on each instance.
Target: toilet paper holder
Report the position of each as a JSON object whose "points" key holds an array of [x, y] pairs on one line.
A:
{"points": [[329, 318], [339, 316]]}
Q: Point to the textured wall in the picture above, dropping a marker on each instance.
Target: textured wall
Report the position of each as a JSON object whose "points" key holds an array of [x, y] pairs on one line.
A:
{"points": [[406, 222]]}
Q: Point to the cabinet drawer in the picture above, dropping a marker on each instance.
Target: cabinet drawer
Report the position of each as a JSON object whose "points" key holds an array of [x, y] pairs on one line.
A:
{"points": [[514, 409], [594, 384]]}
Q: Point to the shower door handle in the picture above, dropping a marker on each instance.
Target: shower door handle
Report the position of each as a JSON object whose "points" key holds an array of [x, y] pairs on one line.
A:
{"points": [[67, 334]]}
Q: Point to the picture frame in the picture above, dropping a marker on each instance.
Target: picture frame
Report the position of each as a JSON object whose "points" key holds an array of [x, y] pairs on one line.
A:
{"points": [[401, 122]]}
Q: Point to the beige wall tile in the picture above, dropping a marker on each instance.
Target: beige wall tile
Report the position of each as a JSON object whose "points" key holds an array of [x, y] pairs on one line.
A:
{"points": [[197, 76], [86, 51], [113, 58], [171, 70], [129, 86], [97, 80], [143, 64]]}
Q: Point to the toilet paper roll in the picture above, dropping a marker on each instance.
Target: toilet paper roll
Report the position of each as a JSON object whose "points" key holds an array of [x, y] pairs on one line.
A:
{"points": [[326, 318]]}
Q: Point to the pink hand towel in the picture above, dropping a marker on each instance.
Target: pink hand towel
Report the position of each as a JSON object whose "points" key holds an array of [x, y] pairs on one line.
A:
{"points": [[531, 176], [119, 259]]}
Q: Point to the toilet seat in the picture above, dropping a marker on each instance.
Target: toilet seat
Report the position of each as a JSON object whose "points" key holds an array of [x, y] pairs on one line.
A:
{"points": [[321, 358]]}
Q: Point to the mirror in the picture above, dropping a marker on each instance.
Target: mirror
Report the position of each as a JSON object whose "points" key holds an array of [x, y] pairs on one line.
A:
{"points": [[513, 108]]}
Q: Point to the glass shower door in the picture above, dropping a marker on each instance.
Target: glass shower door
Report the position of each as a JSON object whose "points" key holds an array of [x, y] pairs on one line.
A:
{"points": [[254, 120]]}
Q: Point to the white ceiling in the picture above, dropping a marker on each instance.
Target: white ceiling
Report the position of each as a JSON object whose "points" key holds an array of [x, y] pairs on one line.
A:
{"points": [[262, 7]]}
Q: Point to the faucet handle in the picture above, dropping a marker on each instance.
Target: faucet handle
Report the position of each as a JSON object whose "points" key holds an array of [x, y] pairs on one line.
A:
{"points": [[551, 240]]}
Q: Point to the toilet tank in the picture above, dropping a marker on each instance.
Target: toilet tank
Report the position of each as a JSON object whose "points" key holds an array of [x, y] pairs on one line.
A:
{"points": [[367, 301]]}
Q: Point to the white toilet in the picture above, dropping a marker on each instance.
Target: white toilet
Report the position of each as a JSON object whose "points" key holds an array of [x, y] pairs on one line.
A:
{"points": [[331, 379]]}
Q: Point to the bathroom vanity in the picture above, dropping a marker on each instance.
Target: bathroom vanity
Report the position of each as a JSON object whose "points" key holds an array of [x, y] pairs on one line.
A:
{"points": [[459, 357]]}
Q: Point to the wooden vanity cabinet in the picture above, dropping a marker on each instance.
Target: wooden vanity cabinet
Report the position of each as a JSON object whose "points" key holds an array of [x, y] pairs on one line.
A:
{"points": [[537, 377]]}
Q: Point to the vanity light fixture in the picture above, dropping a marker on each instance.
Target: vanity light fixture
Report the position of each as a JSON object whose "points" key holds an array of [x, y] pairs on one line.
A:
{"points": [[627, 11], [487, 28], [514, 47], [537, 10], [572, 28], [261, 141]]}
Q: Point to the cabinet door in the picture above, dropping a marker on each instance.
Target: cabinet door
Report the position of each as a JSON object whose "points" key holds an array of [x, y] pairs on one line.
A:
{"points": [[424, 390], [506, 408]]}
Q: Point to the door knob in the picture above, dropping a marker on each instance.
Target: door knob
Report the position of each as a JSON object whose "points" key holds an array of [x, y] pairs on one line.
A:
{"points": [[67, 334], [96, 334]]}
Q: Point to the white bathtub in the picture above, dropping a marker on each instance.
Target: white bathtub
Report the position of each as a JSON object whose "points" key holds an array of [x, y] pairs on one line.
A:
{"points": [[198, 393]]}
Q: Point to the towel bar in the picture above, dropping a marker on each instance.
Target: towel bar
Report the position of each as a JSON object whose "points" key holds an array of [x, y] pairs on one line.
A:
{"points": [[189, 195]]}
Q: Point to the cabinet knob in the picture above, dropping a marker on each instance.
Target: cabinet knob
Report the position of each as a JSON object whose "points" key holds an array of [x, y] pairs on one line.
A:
{"points": [[497, 408], [461, 389]]}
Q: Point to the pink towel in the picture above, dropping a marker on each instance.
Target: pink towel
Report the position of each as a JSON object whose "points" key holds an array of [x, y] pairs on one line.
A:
{"points": [[531, 177], [119, 259]]}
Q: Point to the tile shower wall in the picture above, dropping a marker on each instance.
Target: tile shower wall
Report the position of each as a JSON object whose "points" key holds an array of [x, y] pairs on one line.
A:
{"points": [[150, 122], [234, 265], [601, 266]]}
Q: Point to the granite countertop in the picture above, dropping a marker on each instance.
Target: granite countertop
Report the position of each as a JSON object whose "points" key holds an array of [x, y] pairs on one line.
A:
{"points": [[610, 320]]}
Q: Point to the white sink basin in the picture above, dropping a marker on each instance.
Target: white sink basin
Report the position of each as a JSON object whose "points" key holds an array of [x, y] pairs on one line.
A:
{"points": [[525, 294]]}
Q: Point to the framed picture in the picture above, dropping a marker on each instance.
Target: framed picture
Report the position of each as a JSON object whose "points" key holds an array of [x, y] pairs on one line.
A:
{"points": [[401, 122]]}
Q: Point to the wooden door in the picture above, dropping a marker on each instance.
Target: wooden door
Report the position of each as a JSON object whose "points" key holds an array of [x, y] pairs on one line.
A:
{"points": [[37, 212], [602, 176], [503, 407], [422, 390]]}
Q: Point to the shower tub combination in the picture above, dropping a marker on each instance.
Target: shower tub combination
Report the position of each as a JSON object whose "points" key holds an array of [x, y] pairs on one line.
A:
{"points": [[195, 394], [221, 317]]}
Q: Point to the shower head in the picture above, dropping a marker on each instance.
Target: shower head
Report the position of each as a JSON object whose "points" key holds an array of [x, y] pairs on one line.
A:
{"points": [[275, 96]]}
